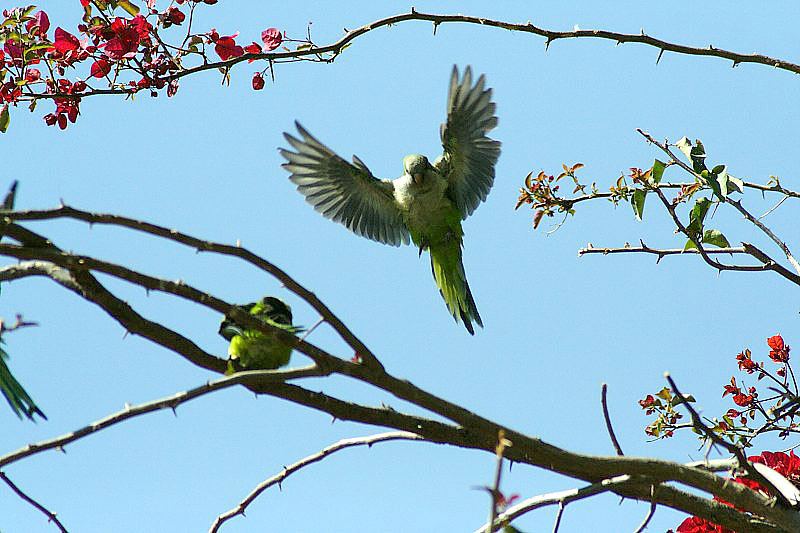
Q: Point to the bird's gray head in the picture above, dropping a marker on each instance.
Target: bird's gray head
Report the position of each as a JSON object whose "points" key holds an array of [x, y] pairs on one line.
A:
{"points": [[415, 166]]}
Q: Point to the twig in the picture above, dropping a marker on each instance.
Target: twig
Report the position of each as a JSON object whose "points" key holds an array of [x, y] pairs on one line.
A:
{"points": [[774, 207], [308, 332], [494, 492], [559, 514], [661, 252], [649, 516], [170, 402], [609, 427], [51, 516], [568, 203], [291, 469]]}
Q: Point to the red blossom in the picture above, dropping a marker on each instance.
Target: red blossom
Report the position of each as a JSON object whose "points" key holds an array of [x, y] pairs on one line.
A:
{"points": [[647, 402], [743, 400], [258, 81], [124, 36], [32, 75], [356, 358], [226, 48], [503, 501], [172, 88], [10, 92], [65, 42], [731, 389], [746, 363], [14, 50], [67, 48], [39, 24], [787, 465], [272, 38], [779, 351], [100, 68], [253, 48], [695, 524], [175, 16]]}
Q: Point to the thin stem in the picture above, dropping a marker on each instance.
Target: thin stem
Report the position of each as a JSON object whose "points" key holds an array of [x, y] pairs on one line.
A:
{"points": [[51, 516], [607, 417]]}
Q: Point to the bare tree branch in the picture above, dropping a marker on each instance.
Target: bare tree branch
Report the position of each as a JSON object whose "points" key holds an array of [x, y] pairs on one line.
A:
{"points": [[333, 50], [170, 402], [51, 516], [473, 431], [311, 459], [660, 252], [207, 246]]}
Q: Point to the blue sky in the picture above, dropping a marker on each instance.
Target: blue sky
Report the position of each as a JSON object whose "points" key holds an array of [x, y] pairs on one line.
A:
{"points": [[557, 326]]}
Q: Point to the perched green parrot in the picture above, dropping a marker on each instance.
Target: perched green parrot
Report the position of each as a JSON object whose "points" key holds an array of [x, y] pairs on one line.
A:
{"points": [[428, 202], [19, 400], [253, 350]]}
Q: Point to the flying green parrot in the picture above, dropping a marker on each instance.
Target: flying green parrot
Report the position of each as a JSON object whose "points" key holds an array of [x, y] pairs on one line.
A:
{"points": [[428, 202], [19, 400], [252, 350]]}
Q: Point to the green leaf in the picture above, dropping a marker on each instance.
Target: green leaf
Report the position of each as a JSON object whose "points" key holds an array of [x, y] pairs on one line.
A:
{"points": [[715, 238], [698, 215], [132, 9], [5, 119], [637, 202], [658, 171], [685, 146], [735, 185], [677, 399], [722, 180], [689, 245], [698, 156]]}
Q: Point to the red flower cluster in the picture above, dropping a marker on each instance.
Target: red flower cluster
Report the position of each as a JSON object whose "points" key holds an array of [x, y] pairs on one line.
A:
{"points": [[66, 108], [740, 398], [787, 465], [779, 352], [695, 524], [226, 47], [647, 403], [746, 363], [67, 49], [121, 39]]}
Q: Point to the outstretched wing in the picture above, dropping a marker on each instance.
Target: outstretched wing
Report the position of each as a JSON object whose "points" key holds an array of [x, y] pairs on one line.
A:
{"points": [[344, 192], [469, 155]]}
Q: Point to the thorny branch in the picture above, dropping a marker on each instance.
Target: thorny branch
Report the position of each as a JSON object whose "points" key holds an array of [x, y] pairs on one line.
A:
{"points": [[328, 53], [311, 459], [470, 430]]}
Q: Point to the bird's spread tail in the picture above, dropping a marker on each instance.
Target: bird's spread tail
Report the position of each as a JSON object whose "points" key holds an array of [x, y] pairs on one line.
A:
{"points": [[448, 272]]}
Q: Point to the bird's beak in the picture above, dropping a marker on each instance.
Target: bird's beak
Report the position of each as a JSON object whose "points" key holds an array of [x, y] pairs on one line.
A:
{"points": [[418, 178]]}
